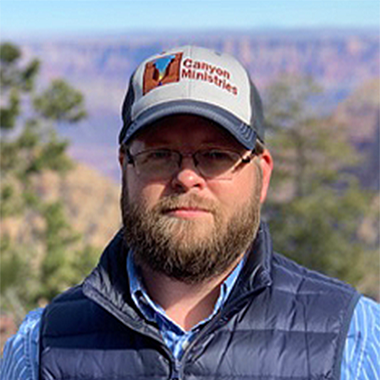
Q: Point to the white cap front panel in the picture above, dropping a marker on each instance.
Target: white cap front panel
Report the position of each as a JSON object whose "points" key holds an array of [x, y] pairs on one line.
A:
{"points": [[193, 73]]}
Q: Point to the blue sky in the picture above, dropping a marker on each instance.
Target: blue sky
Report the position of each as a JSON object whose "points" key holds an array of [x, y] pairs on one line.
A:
{"points": [[26, 17]]}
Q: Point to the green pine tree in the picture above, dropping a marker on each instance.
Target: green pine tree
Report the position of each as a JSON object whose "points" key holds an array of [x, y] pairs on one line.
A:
{"points": [[44, 257], [316, 204]]}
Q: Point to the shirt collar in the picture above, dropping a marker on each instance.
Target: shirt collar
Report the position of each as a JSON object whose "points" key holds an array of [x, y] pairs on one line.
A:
{"points": [[148, 307]]}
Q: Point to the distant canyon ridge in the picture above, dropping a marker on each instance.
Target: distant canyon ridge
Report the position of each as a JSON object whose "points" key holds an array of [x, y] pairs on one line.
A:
{"points": [[346, 63]]}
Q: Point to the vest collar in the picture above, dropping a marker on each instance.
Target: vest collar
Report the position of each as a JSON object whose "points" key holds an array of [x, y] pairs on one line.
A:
{"points": [[108, 284], [256, 272]]}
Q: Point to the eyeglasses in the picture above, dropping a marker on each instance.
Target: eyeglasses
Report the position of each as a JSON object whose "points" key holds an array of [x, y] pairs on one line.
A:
{"points": [[162, 164]]}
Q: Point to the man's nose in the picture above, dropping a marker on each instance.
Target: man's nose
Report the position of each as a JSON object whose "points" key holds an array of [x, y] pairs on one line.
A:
{"points": [[188, 176]]}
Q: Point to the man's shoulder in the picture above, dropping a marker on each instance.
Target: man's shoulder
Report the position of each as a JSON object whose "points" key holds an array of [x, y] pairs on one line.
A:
{"points": [[365, 326], [298, 277], [30, 323], [72, 294], [320, 298], [69, 299], [73, 304], [20, 355], [367, 314], [362, 346]]}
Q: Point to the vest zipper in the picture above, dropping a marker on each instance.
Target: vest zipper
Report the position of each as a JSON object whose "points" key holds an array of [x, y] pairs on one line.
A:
{"points": [[176, 374], [176, 366], [220, 319]]}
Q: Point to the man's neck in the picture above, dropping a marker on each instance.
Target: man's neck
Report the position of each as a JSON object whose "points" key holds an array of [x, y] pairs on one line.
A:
{"points": [[186, 304]]}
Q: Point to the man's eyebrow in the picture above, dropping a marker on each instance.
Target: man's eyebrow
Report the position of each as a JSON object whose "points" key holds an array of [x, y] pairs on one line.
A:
{"points": [[157, 142]]}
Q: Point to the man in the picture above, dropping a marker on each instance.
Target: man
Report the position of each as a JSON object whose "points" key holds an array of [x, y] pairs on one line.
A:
{"points": [[190, 287]]}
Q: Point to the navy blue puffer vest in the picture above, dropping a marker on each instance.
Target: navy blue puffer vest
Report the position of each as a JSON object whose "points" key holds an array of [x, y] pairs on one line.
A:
{"points": [[280, 322]]}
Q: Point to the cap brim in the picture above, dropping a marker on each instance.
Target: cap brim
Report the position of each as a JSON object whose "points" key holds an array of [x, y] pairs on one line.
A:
{"points": [[240, 130]]}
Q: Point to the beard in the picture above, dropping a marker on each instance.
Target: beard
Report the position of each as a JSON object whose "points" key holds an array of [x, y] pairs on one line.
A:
{"points": [[190, 251]]}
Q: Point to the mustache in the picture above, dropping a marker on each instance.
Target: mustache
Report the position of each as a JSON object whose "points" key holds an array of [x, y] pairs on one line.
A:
{"points": [[195, 201]]}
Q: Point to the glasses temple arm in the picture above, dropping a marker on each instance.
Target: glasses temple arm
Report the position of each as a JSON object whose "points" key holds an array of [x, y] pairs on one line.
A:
{"points": [[248, 159], [130, 159]]}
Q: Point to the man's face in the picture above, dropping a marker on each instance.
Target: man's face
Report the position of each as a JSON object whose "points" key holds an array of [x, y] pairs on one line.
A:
{"points": [[188, 227]]}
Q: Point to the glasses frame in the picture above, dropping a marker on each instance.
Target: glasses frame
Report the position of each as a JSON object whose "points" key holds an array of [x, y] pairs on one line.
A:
{"points": [[242, 161]]}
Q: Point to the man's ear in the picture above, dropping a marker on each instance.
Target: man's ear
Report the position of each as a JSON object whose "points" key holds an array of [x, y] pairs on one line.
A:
{"points": [[121, 156], [266, 163]]}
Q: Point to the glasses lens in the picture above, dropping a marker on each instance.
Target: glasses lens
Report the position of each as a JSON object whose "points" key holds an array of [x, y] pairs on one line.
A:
{"points": [[156, 164], [216, 163]]}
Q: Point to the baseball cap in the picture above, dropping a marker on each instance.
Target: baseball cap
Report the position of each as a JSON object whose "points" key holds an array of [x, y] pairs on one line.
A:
{"points": [[198, 81]]}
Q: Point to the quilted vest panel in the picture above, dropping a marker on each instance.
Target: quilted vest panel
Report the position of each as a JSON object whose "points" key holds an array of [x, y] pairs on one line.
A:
{"points": [[280, 322]]}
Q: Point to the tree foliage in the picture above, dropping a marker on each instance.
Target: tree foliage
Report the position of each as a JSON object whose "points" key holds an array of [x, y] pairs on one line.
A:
{"points": [[60, 102], [316, 206], [44, 257]]}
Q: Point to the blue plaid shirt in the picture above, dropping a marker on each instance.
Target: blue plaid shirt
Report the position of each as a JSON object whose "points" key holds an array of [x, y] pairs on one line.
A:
{"points": [[361, 357]]}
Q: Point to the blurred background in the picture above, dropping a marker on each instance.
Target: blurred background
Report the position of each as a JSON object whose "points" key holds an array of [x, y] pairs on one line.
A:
{"points": [[65, 67]]}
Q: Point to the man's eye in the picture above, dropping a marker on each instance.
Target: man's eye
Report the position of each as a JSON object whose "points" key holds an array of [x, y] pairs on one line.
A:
{"points": [[158, 155], [216, 155]]}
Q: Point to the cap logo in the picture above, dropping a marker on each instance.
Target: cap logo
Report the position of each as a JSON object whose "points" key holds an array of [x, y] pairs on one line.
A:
{"points": [[208, 72], [161, 71]]}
